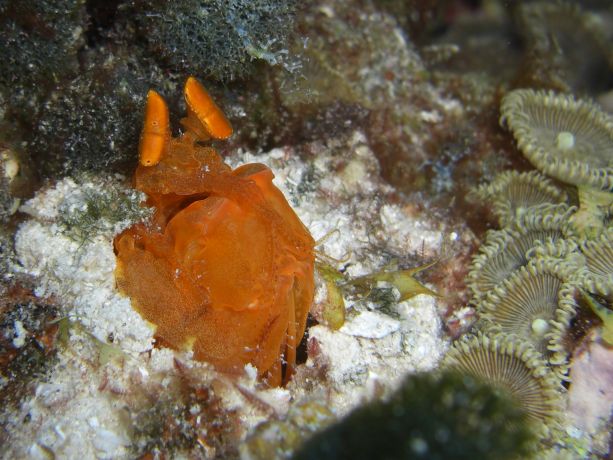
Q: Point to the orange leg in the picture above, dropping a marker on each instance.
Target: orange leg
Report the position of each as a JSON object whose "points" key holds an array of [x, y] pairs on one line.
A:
{"points": [[290, 349]]}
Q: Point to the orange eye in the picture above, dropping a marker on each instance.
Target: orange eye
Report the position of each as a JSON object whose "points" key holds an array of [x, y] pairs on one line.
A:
{"points": [[200, 103], [155, 137]]}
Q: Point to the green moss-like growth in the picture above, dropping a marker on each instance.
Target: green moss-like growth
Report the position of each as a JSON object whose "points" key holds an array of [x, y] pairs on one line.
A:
{"points": [[93, 122], [99, 207], [429, 417], [216, 38], [40, 42]]}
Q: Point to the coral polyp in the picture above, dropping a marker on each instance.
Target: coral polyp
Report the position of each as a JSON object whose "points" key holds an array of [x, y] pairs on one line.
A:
{"points": [[514, 366], [568, 138], [513, 194], [535, 305], [597, 275], [506, 250]]}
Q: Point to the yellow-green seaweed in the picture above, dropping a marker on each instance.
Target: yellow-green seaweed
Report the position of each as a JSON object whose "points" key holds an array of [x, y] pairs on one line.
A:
{"points": [[403, 280]]}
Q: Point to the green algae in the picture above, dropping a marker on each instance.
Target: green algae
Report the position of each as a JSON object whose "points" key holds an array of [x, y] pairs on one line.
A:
{"points": [[333, 313], [604, 313]]}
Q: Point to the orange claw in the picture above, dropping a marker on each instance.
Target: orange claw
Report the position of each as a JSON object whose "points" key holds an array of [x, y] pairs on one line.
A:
{"points": [[203, 111], [155, 137]]}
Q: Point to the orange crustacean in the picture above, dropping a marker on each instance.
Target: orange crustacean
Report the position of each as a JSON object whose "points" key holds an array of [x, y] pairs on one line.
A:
{"points": [[226, 267]]}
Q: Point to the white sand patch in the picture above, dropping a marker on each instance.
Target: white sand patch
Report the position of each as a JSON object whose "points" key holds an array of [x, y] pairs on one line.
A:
{"points": [[80, 274]]}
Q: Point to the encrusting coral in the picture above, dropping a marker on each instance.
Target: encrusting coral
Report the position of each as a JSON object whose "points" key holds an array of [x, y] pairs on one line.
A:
{"points": [[572, 140], [535, 280], [527, 278], [227, 268]]}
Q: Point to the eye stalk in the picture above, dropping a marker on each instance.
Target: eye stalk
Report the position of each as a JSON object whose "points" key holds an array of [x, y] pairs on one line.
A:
{"points": [[155, 136], [204, 117]]}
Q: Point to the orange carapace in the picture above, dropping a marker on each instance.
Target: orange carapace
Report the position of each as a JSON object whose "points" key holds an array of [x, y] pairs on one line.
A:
{"points": [[226, 267]]}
